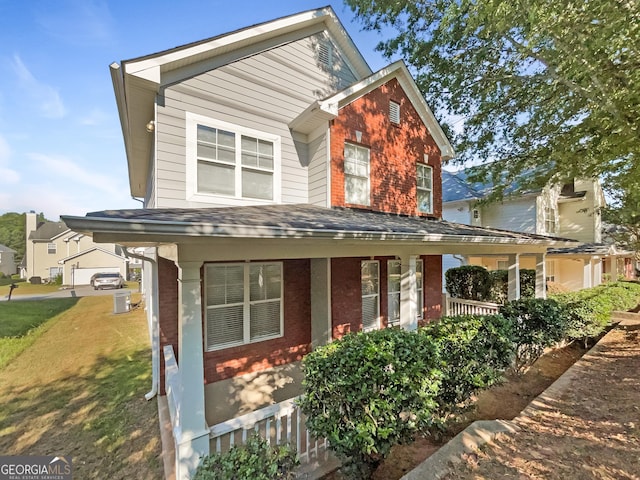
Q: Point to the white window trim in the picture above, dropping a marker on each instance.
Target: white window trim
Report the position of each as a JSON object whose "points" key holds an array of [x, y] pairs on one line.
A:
{"points": [[191, 171], [393, 322], [419, 290], [430, 190], [550, 219], [368, 174], [246, 306], [55, 248], [377, 295]]}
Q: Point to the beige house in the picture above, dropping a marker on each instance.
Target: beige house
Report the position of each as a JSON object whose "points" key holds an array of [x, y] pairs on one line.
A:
{"points": [[568, 211], [53, 249], [7, 261]]}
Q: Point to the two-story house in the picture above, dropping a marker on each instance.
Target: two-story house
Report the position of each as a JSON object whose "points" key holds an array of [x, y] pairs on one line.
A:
{"points": [[291, 195], [7, 260], [53, 250], [570, 211]]}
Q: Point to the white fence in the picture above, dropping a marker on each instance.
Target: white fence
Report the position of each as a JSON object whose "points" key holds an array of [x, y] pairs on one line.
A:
{"points": [[458, 306], [279, 424]]}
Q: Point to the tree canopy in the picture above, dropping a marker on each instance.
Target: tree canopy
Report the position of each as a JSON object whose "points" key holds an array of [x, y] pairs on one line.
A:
{"points": [[12, 232], [545, 90]]}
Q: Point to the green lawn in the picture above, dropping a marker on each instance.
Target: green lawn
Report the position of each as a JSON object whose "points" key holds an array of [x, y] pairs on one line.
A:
{"points": [[26, 288], [22, 321]]}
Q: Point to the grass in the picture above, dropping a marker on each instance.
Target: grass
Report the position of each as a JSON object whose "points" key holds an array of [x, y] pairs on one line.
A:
{"points": [[26, 288], [23, 321], [79, 390]]}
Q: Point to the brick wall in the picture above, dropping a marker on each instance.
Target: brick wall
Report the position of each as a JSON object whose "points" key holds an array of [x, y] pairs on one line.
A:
{"points": [[168, 315], [432, 286], [394, 151]]}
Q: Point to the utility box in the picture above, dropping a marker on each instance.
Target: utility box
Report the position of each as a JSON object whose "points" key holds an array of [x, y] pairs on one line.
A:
{"points": [[122, 301]]}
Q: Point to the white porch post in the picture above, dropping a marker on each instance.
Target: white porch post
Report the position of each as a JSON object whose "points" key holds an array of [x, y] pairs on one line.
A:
{"points": [[586, 273], [597, 271], [408, 293], [541, 276], [514, 277], [193, 441]]}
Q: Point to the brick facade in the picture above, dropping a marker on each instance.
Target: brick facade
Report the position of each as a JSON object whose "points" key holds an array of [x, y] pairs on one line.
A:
{"points": [[432, 287], [168, 314], [394, 151]]}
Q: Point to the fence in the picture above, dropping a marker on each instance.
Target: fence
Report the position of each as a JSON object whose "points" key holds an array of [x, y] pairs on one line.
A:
{"points": [[458, 306]]}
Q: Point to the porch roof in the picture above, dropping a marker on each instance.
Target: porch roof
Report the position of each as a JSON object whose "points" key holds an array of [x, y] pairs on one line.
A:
{"points": [[591, 249], [292, 221]]}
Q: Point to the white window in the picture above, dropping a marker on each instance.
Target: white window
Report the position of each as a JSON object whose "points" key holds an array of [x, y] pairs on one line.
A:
{"points": [[356, 174], [394, 112], [233, 164], [503, 264], [550, 220], [370, 280], [550, 270], [243, 303], [393, 290], [425, 188], [54, 272], [52, 248]]}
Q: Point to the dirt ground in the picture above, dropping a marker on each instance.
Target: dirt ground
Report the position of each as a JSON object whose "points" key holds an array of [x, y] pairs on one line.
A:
{"points": [[589, 430], [504, 401]]}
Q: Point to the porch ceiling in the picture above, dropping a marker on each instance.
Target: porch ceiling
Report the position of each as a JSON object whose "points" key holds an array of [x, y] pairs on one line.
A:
{"points": [[303, 226]]}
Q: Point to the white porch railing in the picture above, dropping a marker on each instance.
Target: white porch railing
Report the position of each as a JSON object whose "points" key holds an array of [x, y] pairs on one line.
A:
{"points": [[172, 383], [458, 306], [278, 424]]}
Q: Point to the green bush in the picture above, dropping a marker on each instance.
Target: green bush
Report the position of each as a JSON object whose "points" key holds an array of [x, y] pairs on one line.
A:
{"points": [[536, 324], [590, 309], [469, 282], [499, 290], [253, 460], [475, 351], [370, 391]]}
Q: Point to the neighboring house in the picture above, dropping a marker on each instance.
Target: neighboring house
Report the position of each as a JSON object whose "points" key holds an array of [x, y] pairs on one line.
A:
{"points": [[53, 249], [569, 211], [291, 196], [7, 260]]}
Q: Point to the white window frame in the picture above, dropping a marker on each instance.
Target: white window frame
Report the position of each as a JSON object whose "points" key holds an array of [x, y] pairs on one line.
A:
{"points": [[428, 190], [367, 296], [502, 264], [394, 112], [52, 248], [550, 271], [368, 178], [391, 293], [246, 305], [550, 219], [191, 181]]}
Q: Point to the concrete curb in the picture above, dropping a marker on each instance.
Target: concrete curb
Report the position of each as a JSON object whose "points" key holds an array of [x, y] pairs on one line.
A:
{"points": [[483, 431]]}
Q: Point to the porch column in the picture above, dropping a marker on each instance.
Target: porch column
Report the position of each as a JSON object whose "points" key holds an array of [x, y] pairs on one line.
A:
{"points": [[321, 333], [586, 273], [514, 277], [597, 271], [193, 437], [408, 293], [541, 276]]}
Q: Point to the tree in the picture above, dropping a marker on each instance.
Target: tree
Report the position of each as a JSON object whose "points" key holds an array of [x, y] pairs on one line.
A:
{"points": [[12, 234], [547, 90], [623, 217]]}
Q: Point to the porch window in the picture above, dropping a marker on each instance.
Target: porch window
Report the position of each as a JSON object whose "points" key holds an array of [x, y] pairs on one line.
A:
{"points": [[425, 188], [370, 280], [393, 290], [243, 303], [230, 162], [356, 174], [52, 248]]}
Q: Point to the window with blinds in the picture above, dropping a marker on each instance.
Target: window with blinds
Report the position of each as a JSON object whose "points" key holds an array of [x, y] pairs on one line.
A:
{"points": [[370, 280], [243, 303], [356, 174]]}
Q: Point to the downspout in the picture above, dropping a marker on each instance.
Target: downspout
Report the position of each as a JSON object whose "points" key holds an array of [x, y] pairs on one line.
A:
{"points": [[154, 330]]}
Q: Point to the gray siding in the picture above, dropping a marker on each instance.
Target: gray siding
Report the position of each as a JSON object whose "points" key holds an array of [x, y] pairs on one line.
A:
{"points": [[318, 180], [263, 92]]}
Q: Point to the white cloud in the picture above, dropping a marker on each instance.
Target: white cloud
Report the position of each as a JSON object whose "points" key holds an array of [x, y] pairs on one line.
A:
{"points": [[94, 117], [47, 98], [78, 22], [7, 175]]}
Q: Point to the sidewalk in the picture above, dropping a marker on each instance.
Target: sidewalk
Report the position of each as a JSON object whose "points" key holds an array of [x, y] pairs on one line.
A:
{"points": [[585, 426]]}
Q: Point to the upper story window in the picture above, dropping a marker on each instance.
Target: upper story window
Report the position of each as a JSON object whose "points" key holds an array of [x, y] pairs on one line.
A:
{"points": [[243, 303], [370, 281], [356, 174], [394, 112], [550, 220], [425, 188], [52, 248], [231, 163]]}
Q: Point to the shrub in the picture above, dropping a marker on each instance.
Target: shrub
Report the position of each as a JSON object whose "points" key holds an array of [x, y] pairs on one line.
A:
{"points": [[470, 282], [500, 285], [536, 324], [475, 351], [369, 391], [255, 459], [590, 309]]}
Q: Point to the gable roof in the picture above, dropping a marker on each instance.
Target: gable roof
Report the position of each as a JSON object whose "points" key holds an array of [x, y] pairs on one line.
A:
{"points": [[5, 249], [85, 252], [323, 110], [48, 231], [137, 81]]}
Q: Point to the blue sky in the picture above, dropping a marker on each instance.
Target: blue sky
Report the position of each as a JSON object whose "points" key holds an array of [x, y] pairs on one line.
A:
{"points": [[61, 149]]}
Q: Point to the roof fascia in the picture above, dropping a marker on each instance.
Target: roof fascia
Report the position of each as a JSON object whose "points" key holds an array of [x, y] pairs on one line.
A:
{"points": [[89, 250]]}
